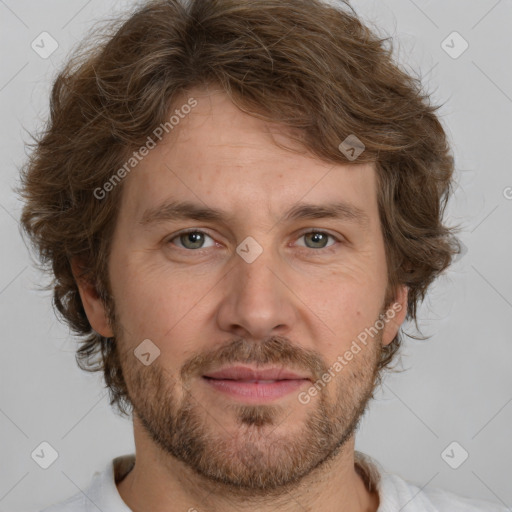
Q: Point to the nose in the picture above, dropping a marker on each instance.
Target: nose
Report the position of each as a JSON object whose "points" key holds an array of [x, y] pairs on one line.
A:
{"points": [[256, 299]]}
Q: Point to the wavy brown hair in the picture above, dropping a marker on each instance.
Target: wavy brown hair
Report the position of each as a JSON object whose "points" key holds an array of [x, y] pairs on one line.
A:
{"points": [[316, 68]]}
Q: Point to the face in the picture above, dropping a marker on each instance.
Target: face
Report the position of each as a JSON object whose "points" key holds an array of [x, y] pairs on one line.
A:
{"points": [[250, 301]]}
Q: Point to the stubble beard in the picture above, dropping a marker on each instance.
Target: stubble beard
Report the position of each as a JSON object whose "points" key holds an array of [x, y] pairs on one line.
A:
{"points": [[260, 457]]}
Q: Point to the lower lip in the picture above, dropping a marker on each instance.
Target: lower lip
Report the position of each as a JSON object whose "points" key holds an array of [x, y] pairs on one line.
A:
{"points": [[256, 391]]}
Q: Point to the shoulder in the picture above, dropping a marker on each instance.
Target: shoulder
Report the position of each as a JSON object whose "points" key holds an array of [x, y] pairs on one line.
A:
{"points": [[409, 497], [101, 494], [76, 503], [396, 493]]}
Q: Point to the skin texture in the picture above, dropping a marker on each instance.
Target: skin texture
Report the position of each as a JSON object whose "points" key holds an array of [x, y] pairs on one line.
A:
{"points": [[299, 305]]}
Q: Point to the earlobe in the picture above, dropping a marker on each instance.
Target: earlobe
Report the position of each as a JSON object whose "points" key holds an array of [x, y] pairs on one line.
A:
{"points": [[91, 301], [395, 315]]}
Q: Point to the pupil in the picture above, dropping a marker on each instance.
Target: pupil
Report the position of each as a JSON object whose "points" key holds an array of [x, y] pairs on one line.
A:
{"points": [[317, 237], [194, 237]]}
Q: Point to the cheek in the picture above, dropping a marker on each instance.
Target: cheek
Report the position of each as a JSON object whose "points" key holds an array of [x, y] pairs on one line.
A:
{"points": [[155, 301], [346, 303]]}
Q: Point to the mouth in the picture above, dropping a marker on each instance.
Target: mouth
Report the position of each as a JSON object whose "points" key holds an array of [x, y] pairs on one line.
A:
{"points": [[255, 385]]}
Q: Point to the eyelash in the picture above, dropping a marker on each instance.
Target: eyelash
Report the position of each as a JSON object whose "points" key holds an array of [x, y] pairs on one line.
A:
{"points": [[192, 230]]}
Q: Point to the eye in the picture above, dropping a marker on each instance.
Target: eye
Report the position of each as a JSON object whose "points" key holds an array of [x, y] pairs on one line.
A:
{"points": [[317, 239], [192, 239]]}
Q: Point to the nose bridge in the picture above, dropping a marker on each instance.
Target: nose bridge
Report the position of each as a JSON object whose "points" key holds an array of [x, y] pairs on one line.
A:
{"points": [[255, 299], [255, 283], [256, 277]]}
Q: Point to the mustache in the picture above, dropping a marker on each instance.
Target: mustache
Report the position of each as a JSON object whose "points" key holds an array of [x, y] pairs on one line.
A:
{"points": [[275, 350]]}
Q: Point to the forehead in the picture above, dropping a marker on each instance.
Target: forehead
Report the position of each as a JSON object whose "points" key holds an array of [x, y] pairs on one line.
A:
{"points": [[225, 159]]}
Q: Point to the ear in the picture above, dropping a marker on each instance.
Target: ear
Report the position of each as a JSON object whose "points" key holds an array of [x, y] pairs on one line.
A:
{"points": [[93, 306], [395, 315]]}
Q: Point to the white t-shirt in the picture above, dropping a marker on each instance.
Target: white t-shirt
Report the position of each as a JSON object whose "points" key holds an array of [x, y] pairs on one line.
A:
{"points": [[395, 494]]}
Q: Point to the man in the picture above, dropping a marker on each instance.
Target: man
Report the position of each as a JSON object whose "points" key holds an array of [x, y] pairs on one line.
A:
{"points": [[241, 202]]}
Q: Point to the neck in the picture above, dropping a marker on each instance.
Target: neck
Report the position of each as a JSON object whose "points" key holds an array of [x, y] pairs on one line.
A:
{"points": [[159, 482]]}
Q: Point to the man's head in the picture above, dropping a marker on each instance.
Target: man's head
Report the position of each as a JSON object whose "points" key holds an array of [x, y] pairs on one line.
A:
{"points": [[310, 174]]}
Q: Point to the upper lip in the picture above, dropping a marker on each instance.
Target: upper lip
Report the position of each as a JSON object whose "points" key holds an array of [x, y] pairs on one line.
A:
{"points": [[247, 373]]}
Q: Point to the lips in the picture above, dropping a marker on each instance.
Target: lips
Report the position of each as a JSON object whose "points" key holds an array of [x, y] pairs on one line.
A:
{"points": [[247, 374], [253, 385]]}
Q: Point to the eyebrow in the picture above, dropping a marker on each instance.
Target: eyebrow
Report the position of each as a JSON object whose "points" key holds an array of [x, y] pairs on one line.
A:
{"points": [[186, 210]]}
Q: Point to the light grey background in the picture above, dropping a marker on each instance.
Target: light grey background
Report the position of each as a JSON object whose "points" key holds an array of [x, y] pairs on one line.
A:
{"points": [[457, 386]]}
